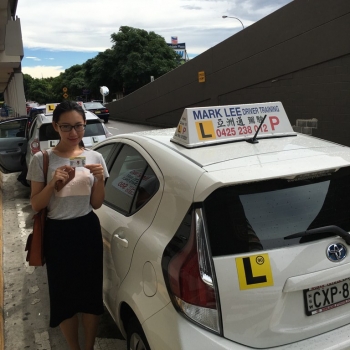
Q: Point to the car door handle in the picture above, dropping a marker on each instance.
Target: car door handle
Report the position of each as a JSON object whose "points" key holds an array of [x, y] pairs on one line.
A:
{"points": [[122, 241]]}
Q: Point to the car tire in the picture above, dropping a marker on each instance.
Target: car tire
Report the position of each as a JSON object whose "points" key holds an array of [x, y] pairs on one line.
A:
{"points": [[136, 339]]}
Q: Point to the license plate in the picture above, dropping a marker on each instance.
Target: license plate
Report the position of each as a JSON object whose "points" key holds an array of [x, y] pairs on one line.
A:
{"points": [[97, 112], [326, 297]]}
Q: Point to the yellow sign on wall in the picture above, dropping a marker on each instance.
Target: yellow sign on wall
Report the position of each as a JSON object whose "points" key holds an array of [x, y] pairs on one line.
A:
{"points": [[201, 77], [65, 95], [65, 89]]}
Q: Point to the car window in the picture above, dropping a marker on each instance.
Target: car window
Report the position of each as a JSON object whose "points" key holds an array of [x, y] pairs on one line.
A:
{"points": [[47, 132], [93, 105], [35, 112], [259, 215], [14, 128], [93, 128], [32, 127], [147, 188], [105, 150], [131, 183]]}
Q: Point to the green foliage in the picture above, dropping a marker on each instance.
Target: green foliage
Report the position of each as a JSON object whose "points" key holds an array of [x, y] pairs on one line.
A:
{"points": [[135, 56], [100, 71], [140, 55], [39, 90]]}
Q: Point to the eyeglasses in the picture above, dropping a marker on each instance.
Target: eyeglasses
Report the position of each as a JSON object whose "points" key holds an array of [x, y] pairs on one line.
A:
{"points": [[67, 127]]}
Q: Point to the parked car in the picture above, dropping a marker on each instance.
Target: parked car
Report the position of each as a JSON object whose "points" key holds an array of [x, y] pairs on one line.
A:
{"points": [[99, 109], [18, 143], [230, 231], [30, 105], [33, 112]]}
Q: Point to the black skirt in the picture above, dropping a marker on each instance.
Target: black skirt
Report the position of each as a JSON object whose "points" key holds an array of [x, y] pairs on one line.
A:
{"points": [[74, 262]]}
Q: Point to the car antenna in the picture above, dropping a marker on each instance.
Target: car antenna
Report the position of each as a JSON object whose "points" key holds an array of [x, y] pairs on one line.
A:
{"points": [[253, 139]]}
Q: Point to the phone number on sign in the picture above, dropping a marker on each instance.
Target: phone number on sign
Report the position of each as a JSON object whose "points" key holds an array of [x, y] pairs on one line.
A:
{"points": [[241, 130]]}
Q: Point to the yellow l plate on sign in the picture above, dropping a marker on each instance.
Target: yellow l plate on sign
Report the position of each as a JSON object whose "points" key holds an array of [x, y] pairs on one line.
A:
{"points": [[254, 271], [205, 130], [50, 107]]}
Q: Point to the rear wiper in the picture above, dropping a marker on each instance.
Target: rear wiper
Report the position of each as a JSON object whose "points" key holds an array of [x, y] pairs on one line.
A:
{"points": [[325, 229]]}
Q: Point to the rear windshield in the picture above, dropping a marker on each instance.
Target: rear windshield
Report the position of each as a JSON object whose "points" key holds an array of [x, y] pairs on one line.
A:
{"points": [[93, 128], [93, 105], [257, 216]]}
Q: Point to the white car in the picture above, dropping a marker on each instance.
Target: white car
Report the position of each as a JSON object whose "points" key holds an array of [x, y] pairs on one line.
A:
{"points": [[230, 231], [21, 138]]}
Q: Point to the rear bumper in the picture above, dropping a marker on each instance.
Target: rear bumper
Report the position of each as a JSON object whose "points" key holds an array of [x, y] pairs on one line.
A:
{"points": [[168, 330]]}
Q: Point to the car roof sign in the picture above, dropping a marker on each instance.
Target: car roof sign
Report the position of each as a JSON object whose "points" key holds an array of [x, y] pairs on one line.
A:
{"points": [[218, 124], [51, 106]]}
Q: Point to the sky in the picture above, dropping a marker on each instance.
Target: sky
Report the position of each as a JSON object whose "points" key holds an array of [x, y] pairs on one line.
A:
{"points": [[59, 34]]}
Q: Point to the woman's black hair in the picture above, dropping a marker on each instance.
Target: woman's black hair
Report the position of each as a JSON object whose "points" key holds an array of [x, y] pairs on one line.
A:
{"points": [[68, 106]]}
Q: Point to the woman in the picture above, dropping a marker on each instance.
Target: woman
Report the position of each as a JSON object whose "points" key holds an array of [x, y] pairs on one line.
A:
{"points": [[73, 240]]}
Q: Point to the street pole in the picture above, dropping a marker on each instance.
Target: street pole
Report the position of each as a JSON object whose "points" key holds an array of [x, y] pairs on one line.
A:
{"points": [[234, 18]]}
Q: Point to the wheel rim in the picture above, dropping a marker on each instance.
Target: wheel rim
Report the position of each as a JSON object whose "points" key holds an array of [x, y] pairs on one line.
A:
{"points": [[136, 342]]}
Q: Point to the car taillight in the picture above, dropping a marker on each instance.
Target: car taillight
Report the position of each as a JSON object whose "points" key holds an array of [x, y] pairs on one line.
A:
{"points": [[105, 111], [35, 146], [189, 273]]}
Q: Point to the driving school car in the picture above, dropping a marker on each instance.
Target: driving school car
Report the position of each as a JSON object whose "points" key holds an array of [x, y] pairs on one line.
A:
{"points": [[21, 138], [229, 232]]}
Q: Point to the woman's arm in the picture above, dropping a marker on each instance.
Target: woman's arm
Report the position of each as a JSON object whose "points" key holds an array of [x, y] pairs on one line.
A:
{"points": [[98, 188], [41, 194]]}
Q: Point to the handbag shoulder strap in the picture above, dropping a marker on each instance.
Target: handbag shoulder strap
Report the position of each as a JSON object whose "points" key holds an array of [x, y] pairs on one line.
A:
{"points": [[45, 164]]}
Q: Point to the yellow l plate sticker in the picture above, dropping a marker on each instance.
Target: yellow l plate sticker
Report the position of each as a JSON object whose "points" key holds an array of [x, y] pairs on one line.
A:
{"points": [[205, 130], [254, 271]]}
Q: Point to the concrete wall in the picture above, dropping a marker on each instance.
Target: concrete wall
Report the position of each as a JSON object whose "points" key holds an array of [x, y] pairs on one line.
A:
{"points": [[14, 94], [298, 55], [13, 40]]}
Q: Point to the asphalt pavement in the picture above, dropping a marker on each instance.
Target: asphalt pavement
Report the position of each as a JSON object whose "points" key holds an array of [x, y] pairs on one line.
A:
{"points": [[25, 298]]}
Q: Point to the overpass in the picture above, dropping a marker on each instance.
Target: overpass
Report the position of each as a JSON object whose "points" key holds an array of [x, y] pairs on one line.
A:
{"points": [[11, 54]]}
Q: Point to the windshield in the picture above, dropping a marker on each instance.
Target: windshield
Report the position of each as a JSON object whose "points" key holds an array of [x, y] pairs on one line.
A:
{"points": [[257, 216], [93, 105], [93, 128]]}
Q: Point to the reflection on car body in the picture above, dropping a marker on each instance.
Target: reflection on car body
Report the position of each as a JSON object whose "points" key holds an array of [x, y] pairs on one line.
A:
{"points": [[194, 225]]}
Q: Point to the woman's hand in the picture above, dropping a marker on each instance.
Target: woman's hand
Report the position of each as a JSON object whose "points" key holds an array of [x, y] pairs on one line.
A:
{"points": [[96, 170], [61, 174], [98, 188]]}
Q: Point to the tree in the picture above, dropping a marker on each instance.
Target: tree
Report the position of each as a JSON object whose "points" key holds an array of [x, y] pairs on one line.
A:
{"points": [[101, 71], [135, 56], [73, 79], [27, 82], [139, 55], [39, 90]]}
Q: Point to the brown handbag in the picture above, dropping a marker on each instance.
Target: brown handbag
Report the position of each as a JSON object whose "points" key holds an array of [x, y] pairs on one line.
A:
{"points": [[35, 241]]}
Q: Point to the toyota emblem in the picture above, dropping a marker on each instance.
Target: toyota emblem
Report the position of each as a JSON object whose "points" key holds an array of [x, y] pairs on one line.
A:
{"points": [[336, 252]]}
